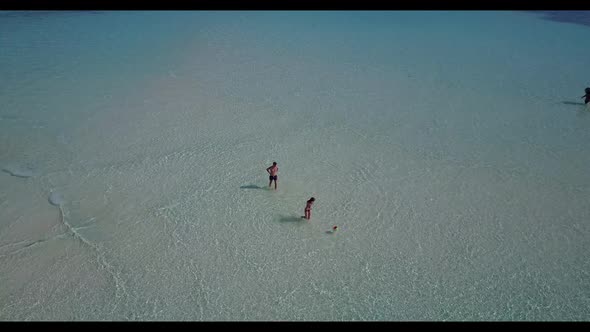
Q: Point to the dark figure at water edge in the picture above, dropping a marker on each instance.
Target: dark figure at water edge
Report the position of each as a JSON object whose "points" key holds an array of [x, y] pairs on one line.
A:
{"points": [[272, 171], [587, 96], [308, 208]]}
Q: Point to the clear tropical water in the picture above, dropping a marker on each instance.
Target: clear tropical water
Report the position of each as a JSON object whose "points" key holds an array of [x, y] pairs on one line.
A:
{"points": [[450, 148]]}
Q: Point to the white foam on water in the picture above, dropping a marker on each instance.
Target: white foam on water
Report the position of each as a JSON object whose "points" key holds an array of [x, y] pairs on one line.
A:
{"points": [[56, 199], [19, 172]]}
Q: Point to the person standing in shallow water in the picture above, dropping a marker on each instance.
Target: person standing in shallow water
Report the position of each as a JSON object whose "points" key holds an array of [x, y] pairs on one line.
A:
{"points": [[587, 96], [308, 208], [272, 171]]}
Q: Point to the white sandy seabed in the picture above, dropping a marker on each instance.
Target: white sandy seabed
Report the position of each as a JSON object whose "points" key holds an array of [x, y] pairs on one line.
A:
{"points": [[446, 147]]}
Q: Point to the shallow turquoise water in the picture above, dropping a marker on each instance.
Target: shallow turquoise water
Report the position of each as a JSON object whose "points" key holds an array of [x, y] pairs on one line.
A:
{"points": [[447, 147]]}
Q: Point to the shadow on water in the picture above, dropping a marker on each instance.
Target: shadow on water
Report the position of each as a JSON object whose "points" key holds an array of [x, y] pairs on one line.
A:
{"points": [[291, 219], [251, 186], [573, 103], [581, 17], [9, 117]]}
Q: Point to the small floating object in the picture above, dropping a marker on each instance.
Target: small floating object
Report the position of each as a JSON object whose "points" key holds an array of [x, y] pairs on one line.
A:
{"points": [[334, 228]]}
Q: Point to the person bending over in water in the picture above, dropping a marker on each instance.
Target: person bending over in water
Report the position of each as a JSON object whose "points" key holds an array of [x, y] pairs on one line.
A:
{"points": [[272, 171], [587, 96], [308, 208]]}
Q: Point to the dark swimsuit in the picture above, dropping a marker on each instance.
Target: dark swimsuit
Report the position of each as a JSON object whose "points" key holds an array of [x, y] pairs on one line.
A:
{"points": [[273, 177]]}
